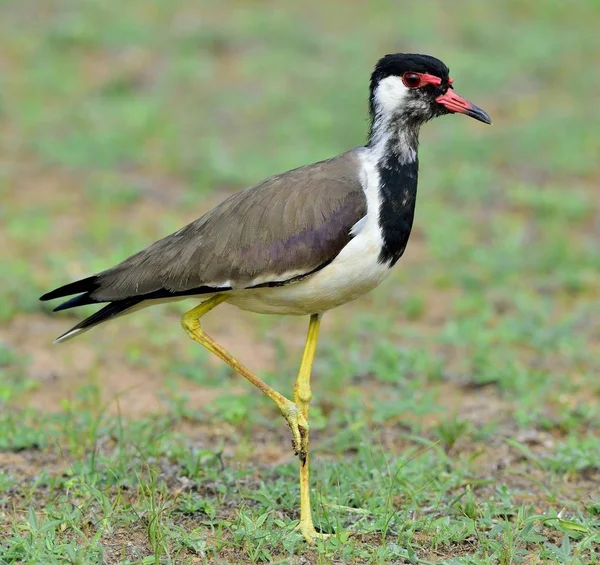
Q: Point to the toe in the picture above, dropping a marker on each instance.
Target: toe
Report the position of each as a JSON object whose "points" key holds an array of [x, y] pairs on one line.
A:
{"points": [[310, 534]]}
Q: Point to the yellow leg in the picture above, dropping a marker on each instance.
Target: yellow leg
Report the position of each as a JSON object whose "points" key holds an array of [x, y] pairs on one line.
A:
{"points": [[295, 413], [290, 411], [302, 398]]}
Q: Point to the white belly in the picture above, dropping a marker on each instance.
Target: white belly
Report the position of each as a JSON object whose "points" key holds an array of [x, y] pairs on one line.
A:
{"points": [[354, 272]]}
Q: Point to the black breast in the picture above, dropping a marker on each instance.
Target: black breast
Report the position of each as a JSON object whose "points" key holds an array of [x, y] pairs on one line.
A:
{"points": [[398, 189]]}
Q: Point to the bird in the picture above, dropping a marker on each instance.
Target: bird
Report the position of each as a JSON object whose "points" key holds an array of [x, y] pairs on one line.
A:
{"points": [[298, 243]]}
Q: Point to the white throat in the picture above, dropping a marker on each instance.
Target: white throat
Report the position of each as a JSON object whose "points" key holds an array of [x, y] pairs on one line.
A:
{"points": [[389, 133]]}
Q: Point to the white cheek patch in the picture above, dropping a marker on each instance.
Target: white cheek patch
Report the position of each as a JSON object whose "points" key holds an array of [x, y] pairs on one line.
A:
{"points": [[390, 94]]}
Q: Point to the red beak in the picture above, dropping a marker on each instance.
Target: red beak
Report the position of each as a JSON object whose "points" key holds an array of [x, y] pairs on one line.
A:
{"points": [[460, 105]]}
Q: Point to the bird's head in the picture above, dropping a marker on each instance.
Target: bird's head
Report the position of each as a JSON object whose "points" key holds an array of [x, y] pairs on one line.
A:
{"points": [[412, 89]]}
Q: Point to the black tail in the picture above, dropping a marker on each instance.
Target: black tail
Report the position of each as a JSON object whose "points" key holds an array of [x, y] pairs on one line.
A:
{"points": [[88, 285], [111, 310], [84, 288]]}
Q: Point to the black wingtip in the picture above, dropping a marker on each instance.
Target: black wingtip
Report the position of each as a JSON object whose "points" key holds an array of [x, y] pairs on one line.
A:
{"points": [[109, 311], [75, 302], [86, 285]]}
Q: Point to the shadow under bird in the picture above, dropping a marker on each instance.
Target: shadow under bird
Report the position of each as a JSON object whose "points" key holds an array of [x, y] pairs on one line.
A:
{"points": [[298, 243]]}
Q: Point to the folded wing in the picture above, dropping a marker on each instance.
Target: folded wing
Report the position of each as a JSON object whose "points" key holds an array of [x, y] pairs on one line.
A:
{"points": [[272, 233]]}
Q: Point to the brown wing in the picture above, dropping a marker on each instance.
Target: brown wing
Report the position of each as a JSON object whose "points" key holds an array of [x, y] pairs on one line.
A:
{"points": [[283, 228]]}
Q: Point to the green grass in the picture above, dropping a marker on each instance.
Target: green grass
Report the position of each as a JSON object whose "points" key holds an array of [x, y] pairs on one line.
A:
{"points": [[455, 411]]}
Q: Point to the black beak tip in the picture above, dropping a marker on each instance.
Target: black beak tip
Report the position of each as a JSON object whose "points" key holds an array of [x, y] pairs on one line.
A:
{"points": [[479, 114]]}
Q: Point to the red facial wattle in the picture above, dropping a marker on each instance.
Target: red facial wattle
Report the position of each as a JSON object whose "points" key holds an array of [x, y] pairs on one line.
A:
{"points": [[430, 79], [418, 80]]}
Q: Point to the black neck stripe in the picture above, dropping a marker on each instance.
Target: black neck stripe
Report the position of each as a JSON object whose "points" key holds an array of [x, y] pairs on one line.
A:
{"points": [[398, 189]]}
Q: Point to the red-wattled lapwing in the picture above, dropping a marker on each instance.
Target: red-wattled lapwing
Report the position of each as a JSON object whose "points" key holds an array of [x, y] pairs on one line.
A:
{"points": [[298, 243]]}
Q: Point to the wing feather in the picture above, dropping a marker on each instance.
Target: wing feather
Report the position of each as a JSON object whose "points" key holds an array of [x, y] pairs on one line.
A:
{"points": [[283, 228]]}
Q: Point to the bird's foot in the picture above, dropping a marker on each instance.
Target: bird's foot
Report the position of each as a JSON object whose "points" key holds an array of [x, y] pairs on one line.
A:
{"points": [[299, 426], [307, 529]]}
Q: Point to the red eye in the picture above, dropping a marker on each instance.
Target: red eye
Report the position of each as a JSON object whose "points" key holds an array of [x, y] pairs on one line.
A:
{"points": [[412, 80]]}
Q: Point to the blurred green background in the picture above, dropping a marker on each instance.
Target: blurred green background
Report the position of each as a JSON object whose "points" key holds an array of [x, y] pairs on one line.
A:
{"points": [[456, 408]]}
